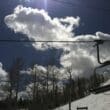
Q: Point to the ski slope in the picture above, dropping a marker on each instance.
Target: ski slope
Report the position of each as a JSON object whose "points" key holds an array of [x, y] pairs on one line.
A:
{"points": [[93, 102]]}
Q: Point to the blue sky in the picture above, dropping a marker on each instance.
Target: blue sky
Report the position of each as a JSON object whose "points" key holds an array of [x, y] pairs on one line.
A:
{"points": [[94, 15]]}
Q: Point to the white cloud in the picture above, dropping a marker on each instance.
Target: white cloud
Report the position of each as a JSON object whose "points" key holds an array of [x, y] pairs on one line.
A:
{"points": [[3, 76], [103, 35], [83, 57], [81, 62], [38, 25], [40, 68], [3, 73]]}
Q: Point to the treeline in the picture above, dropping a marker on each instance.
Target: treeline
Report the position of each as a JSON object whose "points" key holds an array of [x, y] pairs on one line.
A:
{"points": [[47, 90]]}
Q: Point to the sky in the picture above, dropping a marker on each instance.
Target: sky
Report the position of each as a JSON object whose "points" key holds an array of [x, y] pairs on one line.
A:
{"points": [[54, 20], [94, 15]]}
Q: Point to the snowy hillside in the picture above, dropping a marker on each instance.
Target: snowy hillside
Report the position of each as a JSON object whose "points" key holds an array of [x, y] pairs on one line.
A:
{"points": [[93, 102]]}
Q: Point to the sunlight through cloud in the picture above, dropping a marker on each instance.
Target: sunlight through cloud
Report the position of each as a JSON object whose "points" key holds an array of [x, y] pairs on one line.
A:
{"points": [[45, 4]]}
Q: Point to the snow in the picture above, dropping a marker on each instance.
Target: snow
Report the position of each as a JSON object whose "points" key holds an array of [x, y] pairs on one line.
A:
{"points": [[93, 102], [106, 83]]}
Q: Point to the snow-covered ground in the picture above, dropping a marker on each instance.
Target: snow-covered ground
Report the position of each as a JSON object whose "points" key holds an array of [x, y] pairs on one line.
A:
{"points": [[93, 102], [106, 83]]}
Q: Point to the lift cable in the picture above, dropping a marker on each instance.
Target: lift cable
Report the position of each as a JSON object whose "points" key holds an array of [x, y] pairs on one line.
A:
{"points": [[53, 41]]}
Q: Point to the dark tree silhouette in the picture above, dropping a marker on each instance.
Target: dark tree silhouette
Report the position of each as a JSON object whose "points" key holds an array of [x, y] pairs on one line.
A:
{"points": [[14, 77]]}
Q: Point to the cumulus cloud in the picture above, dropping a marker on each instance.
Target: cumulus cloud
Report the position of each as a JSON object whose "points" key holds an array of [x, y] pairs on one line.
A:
{"points": [[81, 62], [38, 25], [3, 73], [83, 57], [3, 76]]}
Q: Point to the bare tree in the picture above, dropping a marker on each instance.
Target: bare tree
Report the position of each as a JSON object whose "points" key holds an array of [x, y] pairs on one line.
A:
{"points": [[70, 86], [37, 86], [14, 77]]}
